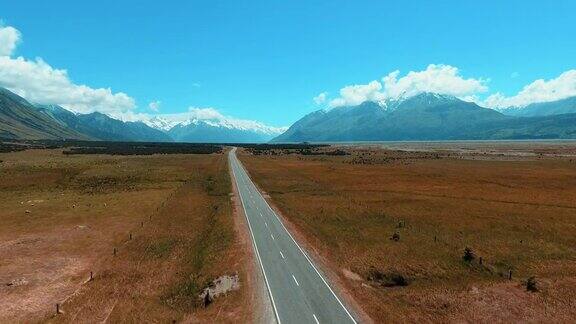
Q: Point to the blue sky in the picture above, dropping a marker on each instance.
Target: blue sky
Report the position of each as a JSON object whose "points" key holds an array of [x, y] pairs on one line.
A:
{"points": [[267, 60]]}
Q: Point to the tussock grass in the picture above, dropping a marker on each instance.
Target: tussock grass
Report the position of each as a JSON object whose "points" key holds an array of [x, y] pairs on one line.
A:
{"points": [[82, 207], [516, 214]]}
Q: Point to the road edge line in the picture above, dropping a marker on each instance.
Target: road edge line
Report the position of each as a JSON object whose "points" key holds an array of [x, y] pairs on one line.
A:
{"points": [[253, 239], [301, 250]]}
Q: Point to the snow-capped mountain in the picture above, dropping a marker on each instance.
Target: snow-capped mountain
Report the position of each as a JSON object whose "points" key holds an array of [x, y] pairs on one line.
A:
{"points": [[210, 126], [161, 123], [426, 116], [557, 107]]}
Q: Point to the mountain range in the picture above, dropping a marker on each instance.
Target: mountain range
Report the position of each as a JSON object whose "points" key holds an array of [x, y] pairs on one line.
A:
{"points": [[431, 116], [20, 119], [184, 128], [563, 106], [426, 116]]}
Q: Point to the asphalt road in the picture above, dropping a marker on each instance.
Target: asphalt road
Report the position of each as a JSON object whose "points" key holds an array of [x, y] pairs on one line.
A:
{"points": [[298, 291]]}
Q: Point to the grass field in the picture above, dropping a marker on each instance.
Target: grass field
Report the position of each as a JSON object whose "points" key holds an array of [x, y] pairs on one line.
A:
{"points": [[394, 226], [169, 217]]}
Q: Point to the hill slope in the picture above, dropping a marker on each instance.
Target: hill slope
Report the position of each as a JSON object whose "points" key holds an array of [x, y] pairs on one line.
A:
{"points": [[103, 127], [21, 120]]}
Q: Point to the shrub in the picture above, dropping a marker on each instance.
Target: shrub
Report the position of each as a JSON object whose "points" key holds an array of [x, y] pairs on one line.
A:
{"points": [[392, 279], [468, 255], [395, 237], [531, 284], [397, 279]]}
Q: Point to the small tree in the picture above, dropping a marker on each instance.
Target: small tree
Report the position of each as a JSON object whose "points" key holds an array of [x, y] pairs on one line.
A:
{"points": [[468, 255], [395, 237], [531, 284]]}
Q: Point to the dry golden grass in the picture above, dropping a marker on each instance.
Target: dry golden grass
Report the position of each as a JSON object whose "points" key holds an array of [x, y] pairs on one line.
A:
{"points": [[517, 214], [177, 208]]}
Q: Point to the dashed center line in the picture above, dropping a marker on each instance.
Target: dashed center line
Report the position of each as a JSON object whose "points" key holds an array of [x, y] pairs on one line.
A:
{"points": [[272, 236], [282, 255], [266, 224], [316, 319], [296, 281]]}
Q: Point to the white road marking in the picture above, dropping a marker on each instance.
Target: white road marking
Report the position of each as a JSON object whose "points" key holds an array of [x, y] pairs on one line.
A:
{"points": [[308, 258], [250, 183], [316, 319], [296, 281], [282, 255], [266, 224], [272, 236], [258, 254]]}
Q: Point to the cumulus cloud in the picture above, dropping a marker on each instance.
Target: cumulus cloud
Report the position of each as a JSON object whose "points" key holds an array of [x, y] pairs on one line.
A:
{"points": [[438, 78], [320, 99], [39, 82], [357, 94], [205, 113], [9, 39], [154, 105], [541, 90], [444, 79]]}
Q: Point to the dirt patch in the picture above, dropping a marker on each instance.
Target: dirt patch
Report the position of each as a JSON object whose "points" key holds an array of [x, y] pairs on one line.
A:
{"points": [[220, 286], [351, 275], [144, 226]]}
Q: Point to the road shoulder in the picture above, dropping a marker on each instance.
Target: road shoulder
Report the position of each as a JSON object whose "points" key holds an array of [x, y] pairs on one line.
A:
{"points": [[258, 297], [323, 265]]}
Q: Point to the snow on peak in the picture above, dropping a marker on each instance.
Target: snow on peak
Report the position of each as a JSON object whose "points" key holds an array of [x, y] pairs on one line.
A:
{"points": [[206, 116], [160, 123]]}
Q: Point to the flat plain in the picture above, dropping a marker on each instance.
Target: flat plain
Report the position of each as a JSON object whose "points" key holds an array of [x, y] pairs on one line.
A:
{"points": [[393, 222], [154, 231]]}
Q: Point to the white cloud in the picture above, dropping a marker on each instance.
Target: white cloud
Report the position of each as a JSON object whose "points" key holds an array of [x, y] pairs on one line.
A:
{"points": [[39, 82], [444, 79], [320, 99], [155, 105], [356, 94], [562, 87], [9, 39], [438, 78], [204, 113]]}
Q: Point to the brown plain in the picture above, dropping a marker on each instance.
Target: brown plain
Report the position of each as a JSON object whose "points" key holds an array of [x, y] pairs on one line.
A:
{"points": [[515, 211], [61, 218]]}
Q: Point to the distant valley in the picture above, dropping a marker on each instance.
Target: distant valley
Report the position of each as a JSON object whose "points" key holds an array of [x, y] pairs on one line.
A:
{"points": [[426, 116]]}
